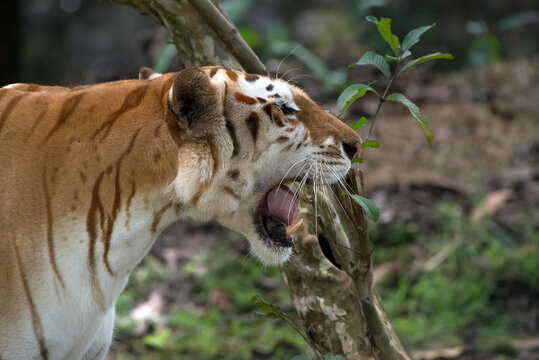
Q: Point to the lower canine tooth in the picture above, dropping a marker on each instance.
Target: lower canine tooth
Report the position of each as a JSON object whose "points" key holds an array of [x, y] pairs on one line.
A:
{"points": [[290, 229]]}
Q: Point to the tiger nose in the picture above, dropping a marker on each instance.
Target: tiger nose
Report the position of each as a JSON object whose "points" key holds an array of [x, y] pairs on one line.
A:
{"points": [[350, 149]]}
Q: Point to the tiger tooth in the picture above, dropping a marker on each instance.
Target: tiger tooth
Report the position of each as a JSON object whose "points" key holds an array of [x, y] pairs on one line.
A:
{"points": [[291, 229]]}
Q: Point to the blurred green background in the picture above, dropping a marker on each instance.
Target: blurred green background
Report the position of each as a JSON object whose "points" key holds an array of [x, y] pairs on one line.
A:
{"points": [[456, 249]]}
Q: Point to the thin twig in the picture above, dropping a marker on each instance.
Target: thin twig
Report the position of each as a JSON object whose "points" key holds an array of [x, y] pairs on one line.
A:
{"points": [[306, 338], [381, 101]]}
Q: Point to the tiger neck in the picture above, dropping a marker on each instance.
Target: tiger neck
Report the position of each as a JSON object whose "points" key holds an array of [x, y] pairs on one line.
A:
{"points": [[127, 192]]}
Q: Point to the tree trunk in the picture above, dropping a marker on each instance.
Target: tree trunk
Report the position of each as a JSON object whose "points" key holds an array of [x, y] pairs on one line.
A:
{"points": [[330, 275]]}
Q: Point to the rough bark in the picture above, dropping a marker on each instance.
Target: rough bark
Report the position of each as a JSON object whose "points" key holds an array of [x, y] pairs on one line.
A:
{"points": [[332, 288], [201, 32]]}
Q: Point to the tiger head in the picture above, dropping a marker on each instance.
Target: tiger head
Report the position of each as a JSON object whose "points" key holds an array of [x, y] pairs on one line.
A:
{"points": [[241, 137]]}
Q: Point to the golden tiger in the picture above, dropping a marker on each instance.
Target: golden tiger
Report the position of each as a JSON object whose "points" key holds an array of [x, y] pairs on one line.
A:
{"points": [[92, 174]]}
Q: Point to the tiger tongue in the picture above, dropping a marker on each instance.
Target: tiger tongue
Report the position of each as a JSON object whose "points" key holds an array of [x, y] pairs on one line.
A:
{"points": [[282, 205]]}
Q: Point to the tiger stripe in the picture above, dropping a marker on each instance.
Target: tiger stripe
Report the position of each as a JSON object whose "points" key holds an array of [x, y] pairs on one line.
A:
{"points": [[232, 75], [251, 78], [37, 327], [91, 229], [116, 205], [65, 112], [6, 112], [131, 101], [213, 71], [37, 122], [128, 203], [157, 216], [232, 133], [252, 124], [231, 192], [158, 129], [245, 99], [50, 234], [215, 159], [214, 152]]}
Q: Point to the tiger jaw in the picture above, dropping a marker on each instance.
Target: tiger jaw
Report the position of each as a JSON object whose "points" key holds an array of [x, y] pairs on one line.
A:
{"points": [[276, 217], [272, 237]]}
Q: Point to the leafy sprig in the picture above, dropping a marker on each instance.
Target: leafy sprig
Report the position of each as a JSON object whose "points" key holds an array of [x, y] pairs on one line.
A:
{"points": [[400, 62]]}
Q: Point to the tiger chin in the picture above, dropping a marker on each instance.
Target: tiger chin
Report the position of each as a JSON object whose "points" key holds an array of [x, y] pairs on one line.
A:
{"points": [[92, 175]]}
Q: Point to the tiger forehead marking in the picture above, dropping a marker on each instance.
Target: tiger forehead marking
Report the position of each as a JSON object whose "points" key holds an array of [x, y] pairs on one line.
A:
{"points": [[96, 172], [254, 86]]}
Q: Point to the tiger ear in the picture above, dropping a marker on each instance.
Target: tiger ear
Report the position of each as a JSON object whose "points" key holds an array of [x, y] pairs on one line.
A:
{"points": [[193, 101], [145, 73]]}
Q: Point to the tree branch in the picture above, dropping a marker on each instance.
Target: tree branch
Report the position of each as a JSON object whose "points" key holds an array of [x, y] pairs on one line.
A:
{"points": [[229, 35]]}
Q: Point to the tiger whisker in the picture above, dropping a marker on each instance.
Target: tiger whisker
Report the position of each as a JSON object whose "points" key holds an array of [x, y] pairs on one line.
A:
{"points": [[287, 71], [299, 172], [246, 260], [315, 188], [292, 79], [342, 186], [280, 63], [290, 169], [302, 183]]}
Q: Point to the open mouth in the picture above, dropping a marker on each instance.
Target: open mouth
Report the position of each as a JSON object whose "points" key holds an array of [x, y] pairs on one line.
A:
{"points": [[277, 217]]}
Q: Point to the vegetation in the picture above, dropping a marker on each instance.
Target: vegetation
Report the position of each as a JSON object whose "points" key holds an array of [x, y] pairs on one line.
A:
{"points": [[466, 288]]}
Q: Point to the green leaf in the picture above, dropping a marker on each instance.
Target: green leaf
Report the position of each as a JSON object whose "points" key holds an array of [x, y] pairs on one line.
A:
{"points": [[158, 341], [263, 304], [423, 59], [357, 160], [378, 61], [384, 28], [404, 55], [349, 95], [251, 37], [413, 36], [372, 19], [357, 124], [370, 143], [370, 207], [414, 110]]}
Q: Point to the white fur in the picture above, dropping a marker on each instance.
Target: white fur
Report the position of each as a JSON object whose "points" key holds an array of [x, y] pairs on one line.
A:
{"points": [[155, 76]]}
